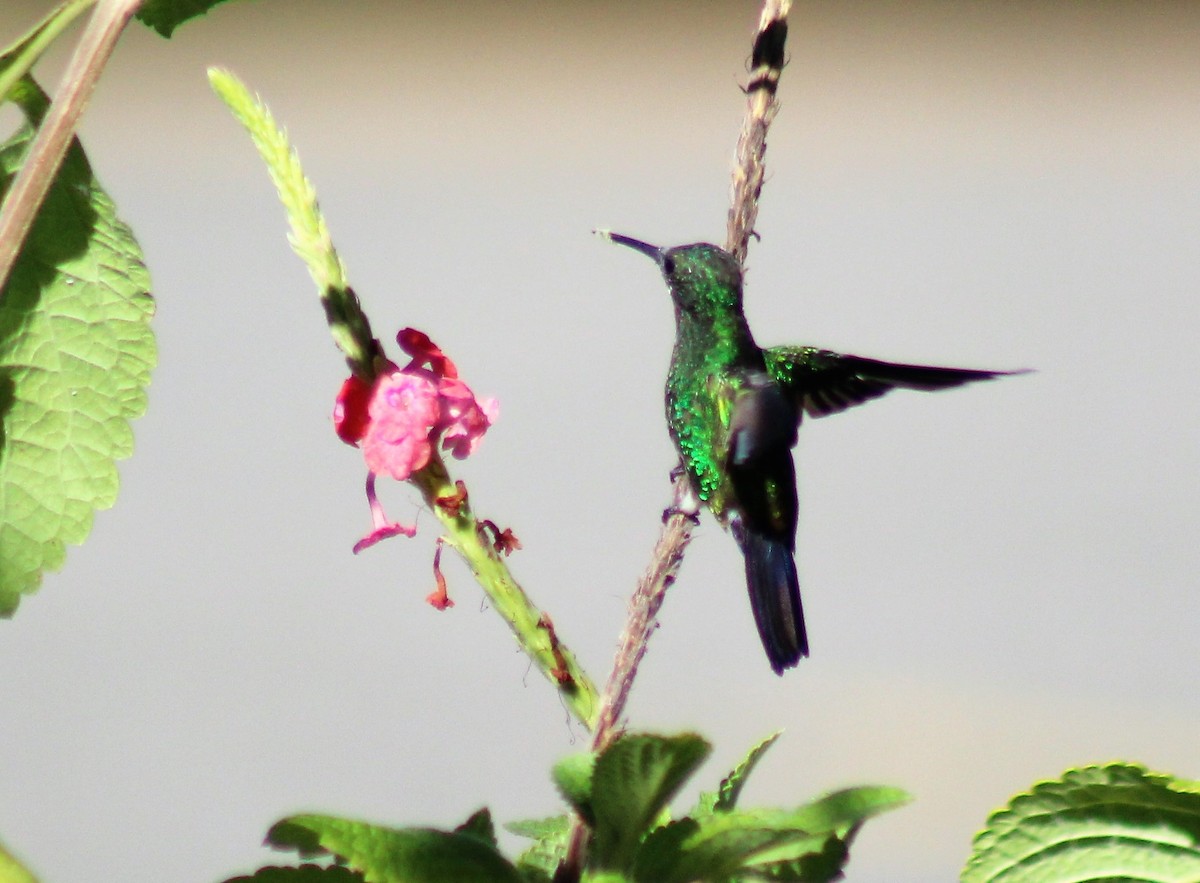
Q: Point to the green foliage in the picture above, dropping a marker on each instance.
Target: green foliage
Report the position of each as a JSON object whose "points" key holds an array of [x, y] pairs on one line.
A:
{"points": [[76, 352], [12, 871], [166, 15], [573, 776], [17, 60], [632, 783], [726, 796], [539, 861], [302, 874], [393, 855], [633, 780], [625, 790], [1114, 822], [480, 826], [810, 843]]}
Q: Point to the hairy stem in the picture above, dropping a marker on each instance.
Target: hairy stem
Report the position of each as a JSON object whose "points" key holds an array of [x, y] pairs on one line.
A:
{"points": [[767, 60]]}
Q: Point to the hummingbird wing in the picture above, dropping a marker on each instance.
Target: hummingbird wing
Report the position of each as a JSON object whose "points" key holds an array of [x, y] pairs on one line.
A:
{"points": [[762, 423], [823, 382], [762, 420]]}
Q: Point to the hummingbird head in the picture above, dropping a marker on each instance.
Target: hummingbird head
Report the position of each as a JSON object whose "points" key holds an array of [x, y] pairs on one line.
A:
{"points": [[704, 280]]}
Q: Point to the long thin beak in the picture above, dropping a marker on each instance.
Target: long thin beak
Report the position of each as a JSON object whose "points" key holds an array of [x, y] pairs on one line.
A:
{"points": [[653, 251]]}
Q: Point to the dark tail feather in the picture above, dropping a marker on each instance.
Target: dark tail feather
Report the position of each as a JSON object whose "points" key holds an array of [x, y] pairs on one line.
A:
{"points": [[774, 597]]}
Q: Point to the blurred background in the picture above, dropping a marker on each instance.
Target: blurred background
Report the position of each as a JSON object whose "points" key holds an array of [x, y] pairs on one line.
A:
{"points": [[999, 580]]}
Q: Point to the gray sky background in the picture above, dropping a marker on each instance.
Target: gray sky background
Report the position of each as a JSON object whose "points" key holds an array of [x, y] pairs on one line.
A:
{"points": [[1000, 581]]}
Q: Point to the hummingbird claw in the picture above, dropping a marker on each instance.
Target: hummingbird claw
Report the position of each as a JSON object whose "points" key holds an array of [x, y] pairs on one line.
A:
{"points": [[690, 514]]}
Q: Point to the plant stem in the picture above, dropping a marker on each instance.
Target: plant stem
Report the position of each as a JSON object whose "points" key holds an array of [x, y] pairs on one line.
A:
{"points": [[767, 61], [533, 629], [352, 334], [55, 134]]}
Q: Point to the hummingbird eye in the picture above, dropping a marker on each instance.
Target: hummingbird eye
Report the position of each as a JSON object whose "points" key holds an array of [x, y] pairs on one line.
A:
{"points": [[669, 266]]}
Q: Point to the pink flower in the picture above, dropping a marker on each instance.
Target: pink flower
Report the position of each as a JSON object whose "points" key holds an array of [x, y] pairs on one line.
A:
{"points": [[403, 411], [350, 410], [464, 418], [399, 419]]}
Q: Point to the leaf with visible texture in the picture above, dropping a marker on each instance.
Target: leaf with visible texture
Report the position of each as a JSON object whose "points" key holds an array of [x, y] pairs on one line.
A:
{"points": [[549, 848], [76, 351], [809, 843], [396, 855], [1114, 822], [634, 779], [721, 846], [731, 786]]}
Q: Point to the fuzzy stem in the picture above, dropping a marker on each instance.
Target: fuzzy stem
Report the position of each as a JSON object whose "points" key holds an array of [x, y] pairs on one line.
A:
{"points": [[767, 60]]}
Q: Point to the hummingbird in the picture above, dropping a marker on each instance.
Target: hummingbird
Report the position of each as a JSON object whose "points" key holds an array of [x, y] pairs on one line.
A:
{"points": [[733, 413]]}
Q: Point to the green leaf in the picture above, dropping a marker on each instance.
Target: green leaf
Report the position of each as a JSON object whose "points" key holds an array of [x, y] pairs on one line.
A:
{"points": [[166, 15], [301, 874], [539, 829], [76, 352], [480, 826], [721, 846], [396, 855], [298, 837], [573, 777], [1114, 822], [849, 806], [731, 786], [19, 57], [809, 843], [540, 860], [635, 778], [12, 871]]}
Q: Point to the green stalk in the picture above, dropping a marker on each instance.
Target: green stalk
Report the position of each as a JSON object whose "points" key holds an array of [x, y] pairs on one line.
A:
{"points": [[532, 628], [352, 333], [19, 58]]}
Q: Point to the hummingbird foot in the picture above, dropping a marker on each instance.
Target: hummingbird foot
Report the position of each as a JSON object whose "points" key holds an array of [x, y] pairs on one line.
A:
{"points": [[690, 513]]}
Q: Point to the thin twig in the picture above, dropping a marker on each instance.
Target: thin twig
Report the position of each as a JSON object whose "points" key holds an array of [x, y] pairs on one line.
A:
{"points": [[761, 106], [54, 137], [767, 60]]}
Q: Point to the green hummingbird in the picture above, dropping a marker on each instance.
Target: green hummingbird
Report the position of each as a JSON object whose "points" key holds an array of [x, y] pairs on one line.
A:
{"points": [[733, 411]]}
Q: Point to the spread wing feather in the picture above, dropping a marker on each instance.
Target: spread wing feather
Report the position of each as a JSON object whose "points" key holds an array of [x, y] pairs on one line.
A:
{"points": [[823, 382]]}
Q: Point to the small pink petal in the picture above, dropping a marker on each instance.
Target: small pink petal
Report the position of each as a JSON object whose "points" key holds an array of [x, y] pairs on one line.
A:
{"points": [[388, 531], [425, 352], [350, 417], [381, 528], [404, 408]]}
